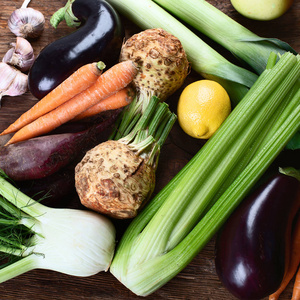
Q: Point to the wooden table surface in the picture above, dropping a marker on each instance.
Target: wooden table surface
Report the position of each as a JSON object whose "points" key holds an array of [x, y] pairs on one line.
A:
{"points": [[199, 279]]}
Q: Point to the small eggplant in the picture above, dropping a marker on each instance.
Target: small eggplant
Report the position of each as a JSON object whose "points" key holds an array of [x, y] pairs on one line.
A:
{"points": [[99, 37], [252, 247]]}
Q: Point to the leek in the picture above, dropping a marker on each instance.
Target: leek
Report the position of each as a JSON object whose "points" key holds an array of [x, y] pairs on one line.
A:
{"points": [[244, 44], [204, 59], [240, 41], [70, 241], [185, 215]]}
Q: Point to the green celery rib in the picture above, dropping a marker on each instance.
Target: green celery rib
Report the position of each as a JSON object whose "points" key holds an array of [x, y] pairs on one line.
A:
{"points": [[215, 218], [204, 60], [223, 172], [170, 264], [260, 140], [145, 216], [135, 245], [209, 20]]}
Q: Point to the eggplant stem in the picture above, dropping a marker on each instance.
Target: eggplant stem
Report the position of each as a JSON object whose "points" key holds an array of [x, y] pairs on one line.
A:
{"points": [[289, 171], [65, 13]]}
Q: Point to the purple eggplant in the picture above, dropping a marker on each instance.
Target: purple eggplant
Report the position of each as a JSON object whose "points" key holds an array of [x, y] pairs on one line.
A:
{"points": [[251, 248], [42, 156], [99, 37]]}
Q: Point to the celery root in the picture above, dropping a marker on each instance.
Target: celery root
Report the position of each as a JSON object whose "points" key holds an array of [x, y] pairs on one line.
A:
{"points": [[204, 59], [117, 177]]}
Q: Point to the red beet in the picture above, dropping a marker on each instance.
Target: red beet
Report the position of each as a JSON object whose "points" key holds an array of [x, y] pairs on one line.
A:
{"points": [[42, 156]]}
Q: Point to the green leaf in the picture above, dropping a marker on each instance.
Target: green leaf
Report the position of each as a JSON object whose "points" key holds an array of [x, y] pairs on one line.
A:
{"points": [[294, 143]]}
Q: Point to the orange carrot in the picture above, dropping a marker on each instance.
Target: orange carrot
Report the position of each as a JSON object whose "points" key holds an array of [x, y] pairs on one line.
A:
{"points": [[110, 82], [293, 262], [80, 80], [117, 100], [296, 289]]}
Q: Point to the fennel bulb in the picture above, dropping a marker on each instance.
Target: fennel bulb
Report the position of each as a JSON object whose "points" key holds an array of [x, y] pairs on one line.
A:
{"points": [[33, 236]]}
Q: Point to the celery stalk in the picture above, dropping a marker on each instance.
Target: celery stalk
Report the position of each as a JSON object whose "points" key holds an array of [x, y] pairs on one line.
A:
{"points": [[261, 139], [154, 273], [243, 43], [204, 60], [151, 251], [187, 212]]}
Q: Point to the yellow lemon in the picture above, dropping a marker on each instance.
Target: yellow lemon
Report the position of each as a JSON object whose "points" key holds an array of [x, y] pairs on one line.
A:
{"points": [[202, 107]]}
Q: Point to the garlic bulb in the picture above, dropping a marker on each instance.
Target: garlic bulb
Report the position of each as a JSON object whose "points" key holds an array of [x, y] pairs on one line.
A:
{"points": [[13, 82], [26, 22], [20, 55]]}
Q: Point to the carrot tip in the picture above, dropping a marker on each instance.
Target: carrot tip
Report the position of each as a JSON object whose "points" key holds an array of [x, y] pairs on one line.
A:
{"points": [[6, 131]]}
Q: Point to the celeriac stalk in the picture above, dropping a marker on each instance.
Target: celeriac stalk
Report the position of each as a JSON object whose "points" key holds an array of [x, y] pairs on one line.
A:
{"points": [[152, 251], [74, 242], [252, 49], [204, 60]]}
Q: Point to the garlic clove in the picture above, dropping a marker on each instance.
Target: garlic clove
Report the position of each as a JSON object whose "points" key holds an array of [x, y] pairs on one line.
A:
{"points": [[7, 75], [26, 22], [13, 82], [19, 86], [20, 55]]}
